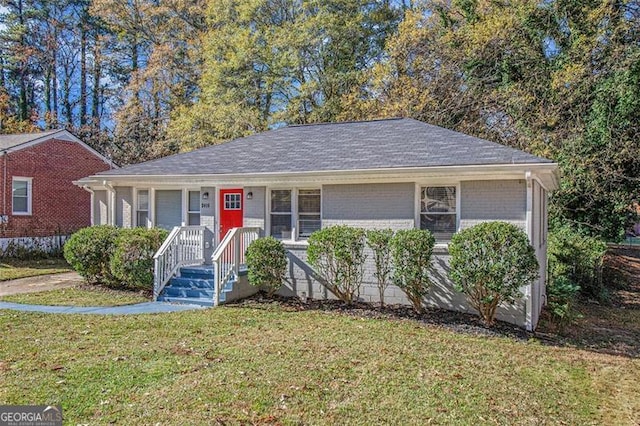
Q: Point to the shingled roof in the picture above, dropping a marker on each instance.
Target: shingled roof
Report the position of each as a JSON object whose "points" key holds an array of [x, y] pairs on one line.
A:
{"points": [[14, 140], [363, 145]]}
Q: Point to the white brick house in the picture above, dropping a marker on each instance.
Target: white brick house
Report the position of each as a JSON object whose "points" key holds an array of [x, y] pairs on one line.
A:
{"points": [[397, 173]]}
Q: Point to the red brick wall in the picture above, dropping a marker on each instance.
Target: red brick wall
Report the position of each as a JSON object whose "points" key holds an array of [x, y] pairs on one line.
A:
{"points": [[58, 206]]}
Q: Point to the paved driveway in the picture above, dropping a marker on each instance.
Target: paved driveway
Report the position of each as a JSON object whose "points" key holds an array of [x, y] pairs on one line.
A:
{"points": [[40, 283]]}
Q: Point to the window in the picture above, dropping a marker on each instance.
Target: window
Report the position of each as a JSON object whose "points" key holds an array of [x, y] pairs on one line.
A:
{"points": [[193, 212], [142, 208], [281, 213], [21, 193], [232, 201], [308, 212], [438, 211]]}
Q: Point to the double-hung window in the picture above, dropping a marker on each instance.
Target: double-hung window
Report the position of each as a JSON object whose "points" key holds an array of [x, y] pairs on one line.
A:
{"points": [[193, 211], [281, 214], [438, 211], [21, 196], [308, 212], [142, 208]]}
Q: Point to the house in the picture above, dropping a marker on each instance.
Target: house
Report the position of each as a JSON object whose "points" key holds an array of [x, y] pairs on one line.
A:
{"points": [[40, 203], [289, 182]]}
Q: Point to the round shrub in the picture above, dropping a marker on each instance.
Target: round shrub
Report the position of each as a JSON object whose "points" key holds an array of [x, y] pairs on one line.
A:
{"points": [[89, 250], [379, 241], [411, 250], [490, 262], [132, 260], [337, 254], [267, 264]]}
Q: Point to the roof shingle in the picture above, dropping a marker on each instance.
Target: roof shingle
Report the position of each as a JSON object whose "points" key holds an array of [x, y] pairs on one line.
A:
{"points": [[365, 145]]}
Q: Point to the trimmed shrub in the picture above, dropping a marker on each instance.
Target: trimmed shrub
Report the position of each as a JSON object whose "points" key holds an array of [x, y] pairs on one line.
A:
{"points": [[379, 241], [89, 250], [490, 262], [411, 250], [561, 294], [337, 254], [132, 260], [267, 264], [579, 258]]}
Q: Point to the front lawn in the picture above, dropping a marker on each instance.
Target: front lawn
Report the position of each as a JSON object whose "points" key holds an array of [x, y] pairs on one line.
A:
{"points": [[11, 269], [79, 296], [273, 364]]}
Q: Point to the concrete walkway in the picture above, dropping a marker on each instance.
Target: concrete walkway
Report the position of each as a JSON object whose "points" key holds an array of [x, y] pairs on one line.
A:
{"points": [[70, 279], [139, 308], [40, 283]]}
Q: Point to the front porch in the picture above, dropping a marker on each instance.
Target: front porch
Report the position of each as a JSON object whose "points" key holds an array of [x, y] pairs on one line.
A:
{"points": [[184, 273]]}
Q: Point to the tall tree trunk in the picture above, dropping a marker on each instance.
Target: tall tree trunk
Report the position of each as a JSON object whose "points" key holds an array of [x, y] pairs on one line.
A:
{"points": [[23, 108], [83, 75], [97, 75]]}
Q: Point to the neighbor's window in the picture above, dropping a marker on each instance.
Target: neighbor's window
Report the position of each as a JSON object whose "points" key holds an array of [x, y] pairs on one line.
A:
{"points": [[308, 212], [143, 208], [21, 192], [281, 213], [438, 211], [194, 208]]}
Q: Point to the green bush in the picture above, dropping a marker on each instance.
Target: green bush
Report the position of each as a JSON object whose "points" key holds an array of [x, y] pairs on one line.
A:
{"points": [[267, 264], [89, 250], [411, 250], [132, 260], [561, 294], [579, 258], [490, 262], [379, 241], [337, 254]]}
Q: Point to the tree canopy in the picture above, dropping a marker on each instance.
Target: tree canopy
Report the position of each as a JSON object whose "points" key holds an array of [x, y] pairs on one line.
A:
{"points": [[147, 78]]}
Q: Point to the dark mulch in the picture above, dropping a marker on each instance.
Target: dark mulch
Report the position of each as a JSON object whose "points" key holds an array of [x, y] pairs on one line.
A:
{"points": [[450, 320]]}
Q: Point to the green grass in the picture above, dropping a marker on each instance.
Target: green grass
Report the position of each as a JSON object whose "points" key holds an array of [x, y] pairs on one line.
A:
{"points": [[11, 269], [78, 296], [234, 365]]}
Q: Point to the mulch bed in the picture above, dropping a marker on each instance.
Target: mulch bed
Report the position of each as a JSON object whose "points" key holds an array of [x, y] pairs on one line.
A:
{"points": [[450, 320]]}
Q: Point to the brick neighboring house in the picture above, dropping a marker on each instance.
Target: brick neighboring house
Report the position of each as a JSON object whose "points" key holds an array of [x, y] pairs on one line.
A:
{"points": [[38, 199]]}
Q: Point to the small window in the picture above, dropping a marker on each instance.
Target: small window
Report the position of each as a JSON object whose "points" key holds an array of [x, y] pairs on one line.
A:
{"points": [[142, 208], [281, 214], [194, 208], [308, 212], [232, 201], [438, 211], [21, 196]]}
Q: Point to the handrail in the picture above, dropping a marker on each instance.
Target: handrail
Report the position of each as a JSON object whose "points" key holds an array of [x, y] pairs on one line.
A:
{"points": [[183, 246], [230, 255]]}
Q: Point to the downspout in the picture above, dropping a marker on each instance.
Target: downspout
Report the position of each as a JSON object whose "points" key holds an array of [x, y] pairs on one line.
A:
{"points": [[112, 203], [529, 224], [4, 186]]}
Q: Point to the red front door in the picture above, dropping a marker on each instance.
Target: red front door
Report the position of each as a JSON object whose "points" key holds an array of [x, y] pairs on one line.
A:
{"points": [[231, 205]]}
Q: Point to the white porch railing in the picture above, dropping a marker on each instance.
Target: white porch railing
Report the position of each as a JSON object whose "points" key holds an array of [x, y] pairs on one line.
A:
{"points": [[184, 246], [230, 255]]}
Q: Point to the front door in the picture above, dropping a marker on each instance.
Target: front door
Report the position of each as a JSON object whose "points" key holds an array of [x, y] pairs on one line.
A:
{"points": [[230, 210]]}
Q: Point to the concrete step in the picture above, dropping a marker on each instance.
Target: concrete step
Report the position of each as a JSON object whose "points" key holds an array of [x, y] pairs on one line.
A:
{"points": [[186, 300], [186, 282]]}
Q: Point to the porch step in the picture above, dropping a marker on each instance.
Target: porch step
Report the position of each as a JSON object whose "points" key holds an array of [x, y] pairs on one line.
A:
{"points": [[186, 300], [195, 285]]}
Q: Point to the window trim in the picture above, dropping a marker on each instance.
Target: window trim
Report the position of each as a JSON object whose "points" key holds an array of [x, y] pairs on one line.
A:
{"points": [[29, 181], [294, 210], [239, 200], [186, 200], [418, 207], [134, 221]]}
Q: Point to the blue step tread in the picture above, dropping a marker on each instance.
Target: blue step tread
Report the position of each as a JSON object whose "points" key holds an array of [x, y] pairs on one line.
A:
{"points": [[191, 282], [188, 292], [186, 300]]}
